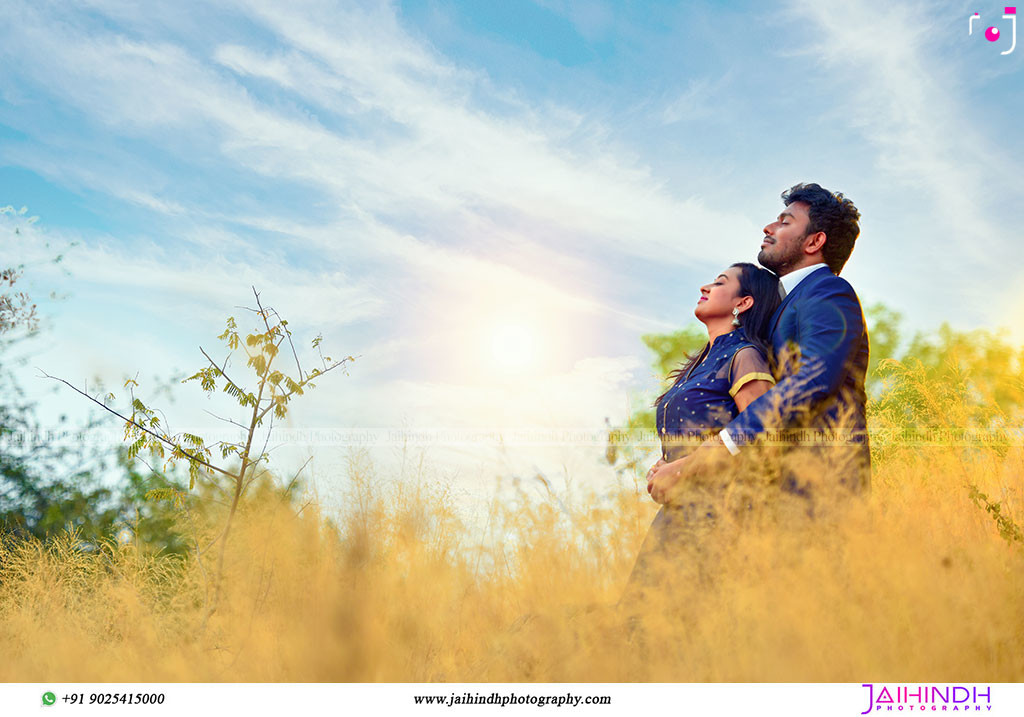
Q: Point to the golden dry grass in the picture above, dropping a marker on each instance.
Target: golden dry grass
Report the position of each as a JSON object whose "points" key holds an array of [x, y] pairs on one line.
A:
{"points": [[912, 583]]}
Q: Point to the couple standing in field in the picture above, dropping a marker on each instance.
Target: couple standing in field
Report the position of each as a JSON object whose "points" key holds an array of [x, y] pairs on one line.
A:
{"points": [[785, 362]]}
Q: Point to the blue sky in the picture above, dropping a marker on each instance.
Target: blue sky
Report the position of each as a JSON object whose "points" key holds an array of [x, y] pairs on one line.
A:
{"points": [[411, 178]]}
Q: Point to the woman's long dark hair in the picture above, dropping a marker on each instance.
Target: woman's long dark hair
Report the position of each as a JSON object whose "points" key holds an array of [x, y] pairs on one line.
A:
{"points": [[763, 286]]}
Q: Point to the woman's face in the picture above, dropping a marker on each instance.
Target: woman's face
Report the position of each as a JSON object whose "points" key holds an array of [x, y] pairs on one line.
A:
{"points": [[720, 297]]}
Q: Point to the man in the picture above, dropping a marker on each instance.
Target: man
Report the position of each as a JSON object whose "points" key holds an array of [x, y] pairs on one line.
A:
{"points": [[821, 348]]}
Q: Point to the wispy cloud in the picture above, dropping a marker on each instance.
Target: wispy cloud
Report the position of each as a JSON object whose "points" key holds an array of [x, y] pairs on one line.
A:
{"points": [[388, 189], [448, 210], [411, 150], [905, 94]]}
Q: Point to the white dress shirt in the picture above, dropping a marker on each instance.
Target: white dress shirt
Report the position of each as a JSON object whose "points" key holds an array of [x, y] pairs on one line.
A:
{"points": [[786, 285], [790, 280]]}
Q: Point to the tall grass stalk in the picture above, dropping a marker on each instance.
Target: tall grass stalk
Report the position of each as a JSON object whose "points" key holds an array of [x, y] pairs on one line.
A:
{"points": [[912, 583]]}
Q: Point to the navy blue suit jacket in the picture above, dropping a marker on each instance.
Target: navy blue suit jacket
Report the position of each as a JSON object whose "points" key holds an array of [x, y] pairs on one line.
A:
{"points": [[820, 328]]}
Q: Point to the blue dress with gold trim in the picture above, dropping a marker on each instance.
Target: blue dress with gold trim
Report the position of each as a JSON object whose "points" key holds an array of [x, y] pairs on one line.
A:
{"points": [[697, 406]]}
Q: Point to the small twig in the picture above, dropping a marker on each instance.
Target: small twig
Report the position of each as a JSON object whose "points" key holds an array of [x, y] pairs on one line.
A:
{"points": [[253, 477], [220, 369], [139, 426], [270, 430], [167, 424], [214, 541], [163, 475], [288, 335], [300, 385], [296, 476], [226, 420]]}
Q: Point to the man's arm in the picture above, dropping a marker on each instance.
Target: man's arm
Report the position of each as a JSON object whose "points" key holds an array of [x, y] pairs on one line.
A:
{"points": [[830, 324], [750, 379]]}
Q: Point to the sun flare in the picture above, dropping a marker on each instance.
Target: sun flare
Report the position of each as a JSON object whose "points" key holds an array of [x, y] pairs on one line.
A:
{"points": [[513, 347]]}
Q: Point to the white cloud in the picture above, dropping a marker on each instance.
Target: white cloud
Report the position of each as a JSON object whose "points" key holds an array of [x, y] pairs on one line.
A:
{"points": [[436, 158], [944, 186], [693, 103], [439, 197], [906, 98]]}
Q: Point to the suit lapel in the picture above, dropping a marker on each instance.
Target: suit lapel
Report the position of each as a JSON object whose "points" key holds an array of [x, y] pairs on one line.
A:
{"points": [[808, 281], [782, 307]]}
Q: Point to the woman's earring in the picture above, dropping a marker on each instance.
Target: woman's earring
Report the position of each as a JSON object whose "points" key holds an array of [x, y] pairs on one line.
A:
{"points": [[735, 317]]}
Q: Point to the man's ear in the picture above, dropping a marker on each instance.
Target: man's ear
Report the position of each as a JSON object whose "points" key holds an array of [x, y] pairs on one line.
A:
{"points": [[814, 243]]}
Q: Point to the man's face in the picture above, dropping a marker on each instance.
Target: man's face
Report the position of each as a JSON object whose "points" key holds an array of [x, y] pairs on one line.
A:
{"points": [[782, 248]]}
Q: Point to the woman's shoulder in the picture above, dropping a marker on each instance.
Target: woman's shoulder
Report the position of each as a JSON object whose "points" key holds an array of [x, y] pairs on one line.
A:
{"points": [[748, 358], [744, 345], [748, 350]]}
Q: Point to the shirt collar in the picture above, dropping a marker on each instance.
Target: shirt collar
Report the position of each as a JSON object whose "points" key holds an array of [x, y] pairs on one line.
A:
{"points": [[789, 282]]}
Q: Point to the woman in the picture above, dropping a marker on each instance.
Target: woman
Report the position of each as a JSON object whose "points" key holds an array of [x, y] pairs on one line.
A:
{"points": [[709, 390]]}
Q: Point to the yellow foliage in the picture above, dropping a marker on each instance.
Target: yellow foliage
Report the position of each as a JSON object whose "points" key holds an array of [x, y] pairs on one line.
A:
{"points": [[910, 583]]}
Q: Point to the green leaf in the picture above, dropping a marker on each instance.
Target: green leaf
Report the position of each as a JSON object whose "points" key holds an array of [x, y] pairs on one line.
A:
{"points": [[133, 449], [175, 496], [231, 326], [258, 364]]}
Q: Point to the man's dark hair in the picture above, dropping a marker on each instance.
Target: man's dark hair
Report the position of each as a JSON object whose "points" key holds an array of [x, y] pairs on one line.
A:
{"points": [[832, 213]]}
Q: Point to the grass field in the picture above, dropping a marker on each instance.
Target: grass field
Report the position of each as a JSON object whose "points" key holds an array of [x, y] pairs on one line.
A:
{"points": [[918, 581]]}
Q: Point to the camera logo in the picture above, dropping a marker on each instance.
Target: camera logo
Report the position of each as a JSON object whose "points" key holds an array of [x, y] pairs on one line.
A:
{"points": [[992, 34]]}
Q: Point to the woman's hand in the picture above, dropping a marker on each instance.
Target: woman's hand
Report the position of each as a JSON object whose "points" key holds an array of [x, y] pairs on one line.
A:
{"points": [[712, 459], [663, 478], [650, 473]]}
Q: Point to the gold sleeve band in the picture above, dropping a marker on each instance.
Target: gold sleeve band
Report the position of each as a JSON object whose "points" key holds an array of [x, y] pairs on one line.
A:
{"points": [[744, 380]]}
